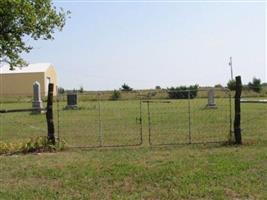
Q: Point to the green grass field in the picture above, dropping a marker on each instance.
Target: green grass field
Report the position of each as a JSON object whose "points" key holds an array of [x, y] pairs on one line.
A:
{"points": [[203, 171]]}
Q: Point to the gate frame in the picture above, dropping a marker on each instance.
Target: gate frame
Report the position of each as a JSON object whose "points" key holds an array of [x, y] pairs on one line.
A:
{"points": [[229, 96], [99, 132]]}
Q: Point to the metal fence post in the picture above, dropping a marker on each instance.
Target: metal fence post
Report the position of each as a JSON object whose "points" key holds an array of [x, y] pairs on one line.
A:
{"points": [[230, 116], [141, 122], [149, 124], [49, 115], [58, 120], [99, 123], [189, 118], [237, 128]]}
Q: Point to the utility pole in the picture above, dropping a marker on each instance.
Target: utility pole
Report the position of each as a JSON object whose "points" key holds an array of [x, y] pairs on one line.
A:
{"points": [[231, 66]]}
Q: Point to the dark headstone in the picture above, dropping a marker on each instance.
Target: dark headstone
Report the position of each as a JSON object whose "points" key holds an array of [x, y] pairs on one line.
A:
{"points": [[72, 101]]}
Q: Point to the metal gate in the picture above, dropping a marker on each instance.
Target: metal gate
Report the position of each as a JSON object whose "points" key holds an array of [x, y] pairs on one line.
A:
{"points": [[100, 122], [190, 119]]}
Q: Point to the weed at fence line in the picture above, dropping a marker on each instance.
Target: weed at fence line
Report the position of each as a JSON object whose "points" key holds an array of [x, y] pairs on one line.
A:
{"points": [[33, 145]]}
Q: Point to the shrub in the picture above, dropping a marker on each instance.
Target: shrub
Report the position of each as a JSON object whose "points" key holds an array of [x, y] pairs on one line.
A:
{"points": [[115, 95], [151, 94], [231, 85], [255, 85], [61, 90], [183, 92], [126, 87], [39, 144], [218, 86], [81, 90]]}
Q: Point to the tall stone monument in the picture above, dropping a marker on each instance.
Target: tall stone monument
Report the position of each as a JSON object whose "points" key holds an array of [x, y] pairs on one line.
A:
{"points": [[211, 99], [37, 101]]}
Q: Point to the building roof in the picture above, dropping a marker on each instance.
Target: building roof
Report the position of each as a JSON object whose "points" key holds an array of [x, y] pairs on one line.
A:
{"points": [[31, 68]]}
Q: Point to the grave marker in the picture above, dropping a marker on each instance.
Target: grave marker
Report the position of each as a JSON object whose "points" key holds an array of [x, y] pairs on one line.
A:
{"points": [[211, 99], [72, 101], [37, 101]]}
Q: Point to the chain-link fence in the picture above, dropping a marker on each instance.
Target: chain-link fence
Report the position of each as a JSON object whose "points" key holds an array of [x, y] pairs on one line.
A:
{"points": [[20, 126], [189, 118], [254, 114], [98, 121], [198, 118], [158, 117]]}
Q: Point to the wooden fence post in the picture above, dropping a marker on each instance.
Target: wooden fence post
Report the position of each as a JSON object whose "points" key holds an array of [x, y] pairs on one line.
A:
{"points": [[237, 128], [49, 115]]}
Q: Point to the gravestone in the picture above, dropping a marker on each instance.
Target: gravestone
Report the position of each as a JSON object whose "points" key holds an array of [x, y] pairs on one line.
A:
{"points": [[72, 101], [37, 101], [211, 99]]}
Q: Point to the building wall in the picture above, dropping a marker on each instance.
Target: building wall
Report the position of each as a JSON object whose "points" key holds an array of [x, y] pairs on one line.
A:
{"points": [[20, 84], [51, 73]]}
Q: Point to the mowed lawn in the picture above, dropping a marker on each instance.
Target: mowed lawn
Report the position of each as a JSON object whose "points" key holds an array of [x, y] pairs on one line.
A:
{"points": [[196, 171]]}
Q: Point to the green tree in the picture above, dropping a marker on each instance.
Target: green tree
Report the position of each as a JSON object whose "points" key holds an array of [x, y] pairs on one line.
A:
{"points": [[126, 87], [81, 90], [24, 19], [231, 85], [183, 92], [255, 85], [61, 90], [115, 95], [218, 86]]}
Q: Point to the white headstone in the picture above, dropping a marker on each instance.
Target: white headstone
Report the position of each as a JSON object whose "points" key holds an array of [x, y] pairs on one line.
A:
{"points": [[37, 101], [211, 99]]}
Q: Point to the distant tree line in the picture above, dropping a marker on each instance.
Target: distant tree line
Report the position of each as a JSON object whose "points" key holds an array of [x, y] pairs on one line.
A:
{"points": [[183, 92], [255, 85], [179, 92]]}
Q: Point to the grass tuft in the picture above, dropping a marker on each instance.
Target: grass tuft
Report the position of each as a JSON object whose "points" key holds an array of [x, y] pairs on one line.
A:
{"points": [[33, 145]]}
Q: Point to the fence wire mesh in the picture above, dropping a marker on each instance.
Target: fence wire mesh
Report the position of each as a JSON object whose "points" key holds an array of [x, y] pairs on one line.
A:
{"points": [[189, 118], [20, 126], [254, 114], [99, 121]]}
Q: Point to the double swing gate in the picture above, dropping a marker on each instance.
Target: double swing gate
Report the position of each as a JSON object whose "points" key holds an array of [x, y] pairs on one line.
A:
{"points": [[136, 119]]}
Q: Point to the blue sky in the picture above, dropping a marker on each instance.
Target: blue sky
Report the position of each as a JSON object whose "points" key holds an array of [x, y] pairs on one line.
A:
{"points": [[144, 44]]}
